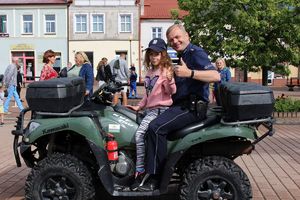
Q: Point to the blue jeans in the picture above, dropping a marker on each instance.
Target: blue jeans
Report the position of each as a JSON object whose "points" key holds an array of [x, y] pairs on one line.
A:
{"points": [[132, 89], [12, 91]]}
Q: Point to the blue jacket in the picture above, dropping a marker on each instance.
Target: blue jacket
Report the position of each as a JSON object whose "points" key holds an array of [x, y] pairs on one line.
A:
{"points": [[225, 77], [87, 73]]}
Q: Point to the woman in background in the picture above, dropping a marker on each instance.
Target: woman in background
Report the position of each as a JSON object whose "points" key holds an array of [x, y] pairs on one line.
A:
{"points": [[103, 72], [48, 72], [86, 72], [225, 77]]}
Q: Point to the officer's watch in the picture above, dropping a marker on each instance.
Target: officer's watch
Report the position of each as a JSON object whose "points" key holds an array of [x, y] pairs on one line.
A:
{"points": [[192, 73]]}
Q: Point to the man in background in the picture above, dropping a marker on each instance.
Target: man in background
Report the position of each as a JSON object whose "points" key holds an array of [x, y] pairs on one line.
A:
{"points": [[119, 68], [10, 82]]}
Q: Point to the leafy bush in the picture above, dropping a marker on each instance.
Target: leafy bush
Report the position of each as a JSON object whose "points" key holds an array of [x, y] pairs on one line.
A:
{"points": [[287, 105]]}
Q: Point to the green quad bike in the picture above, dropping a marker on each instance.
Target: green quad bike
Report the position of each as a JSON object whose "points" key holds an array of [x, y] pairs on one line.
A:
{"points": [[76, 149]]}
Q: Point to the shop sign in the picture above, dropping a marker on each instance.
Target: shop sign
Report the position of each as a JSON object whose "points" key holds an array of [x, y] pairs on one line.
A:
{"points": [[22, 47]]}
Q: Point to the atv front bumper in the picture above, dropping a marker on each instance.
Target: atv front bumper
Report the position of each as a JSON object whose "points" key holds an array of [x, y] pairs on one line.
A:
{"points": [[19, 132]]}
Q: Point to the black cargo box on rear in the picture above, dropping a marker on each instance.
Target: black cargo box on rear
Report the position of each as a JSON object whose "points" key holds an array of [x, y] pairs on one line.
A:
{"points": [[246, 101], [57, 95]]}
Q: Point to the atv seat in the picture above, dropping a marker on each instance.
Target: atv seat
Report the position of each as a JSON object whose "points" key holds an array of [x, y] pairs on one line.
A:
{"points": [[210, 120]]}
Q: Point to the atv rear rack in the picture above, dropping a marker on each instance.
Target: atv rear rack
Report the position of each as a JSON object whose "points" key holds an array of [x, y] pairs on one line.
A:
{"points": [[266, 122], [254, 121]]}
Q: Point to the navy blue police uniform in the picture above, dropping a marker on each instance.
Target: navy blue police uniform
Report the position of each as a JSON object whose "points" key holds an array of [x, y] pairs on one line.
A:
{"points": [[179, 114]]}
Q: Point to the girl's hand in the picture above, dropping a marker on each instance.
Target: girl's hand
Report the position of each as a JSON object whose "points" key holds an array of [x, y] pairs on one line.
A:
{"points": [[135, 108], [170, 73]]}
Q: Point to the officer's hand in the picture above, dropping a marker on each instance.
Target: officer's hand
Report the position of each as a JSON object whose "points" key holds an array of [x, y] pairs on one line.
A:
{"points": [[170, 73], [182, 70]]}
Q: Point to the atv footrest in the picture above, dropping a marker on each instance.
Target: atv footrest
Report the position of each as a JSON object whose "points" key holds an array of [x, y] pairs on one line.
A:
{"points": [[135, 194]]}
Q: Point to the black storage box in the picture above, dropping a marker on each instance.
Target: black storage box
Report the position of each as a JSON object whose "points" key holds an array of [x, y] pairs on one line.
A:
{"points": [[57, 95], [246, 101]]}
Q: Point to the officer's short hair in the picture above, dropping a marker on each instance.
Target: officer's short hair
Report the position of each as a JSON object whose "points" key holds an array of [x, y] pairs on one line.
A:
{"points": [[179, 26]]}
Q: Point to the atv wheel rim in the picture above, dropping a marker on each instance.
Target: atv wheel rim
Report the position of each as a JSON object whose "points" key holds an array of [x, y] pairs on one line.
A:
{"points": [[58, 187], [216, 189]]}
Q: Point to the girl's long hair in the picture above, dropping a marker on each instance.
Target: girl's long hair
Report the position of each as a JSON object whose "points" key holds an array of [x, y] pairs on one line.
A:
{"points": [[102, 63], [165, 61]]}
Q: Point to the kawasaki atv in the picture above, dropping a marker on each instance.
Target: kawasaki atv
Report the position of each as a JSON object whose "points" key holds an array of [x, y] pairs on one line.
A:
{"points": [[76, 149]]}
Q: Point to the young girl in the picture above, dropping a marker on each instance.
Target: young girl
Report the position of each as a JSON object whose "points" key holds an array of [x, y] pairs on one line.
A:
{"points": [[159, 85], [1, 104]]}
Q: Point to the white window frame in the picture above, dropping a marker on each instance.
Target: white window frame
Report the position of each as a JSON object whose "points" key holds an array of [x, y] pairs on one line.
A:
{"points": [[156, 33], [5, 23], [87, 22], [131, 22], [23, 32], [92, 22], [45, 25]]}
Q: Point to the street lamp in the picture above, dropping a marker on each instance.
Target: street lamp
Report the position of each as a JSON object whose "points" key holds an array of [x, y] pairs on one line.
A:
{"points": [[130, 51]]}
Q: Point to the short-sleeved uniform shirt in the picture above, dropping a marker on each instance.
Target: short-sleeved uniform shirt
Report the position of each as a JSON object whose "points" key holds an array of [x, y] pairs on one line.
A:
{"points": [[196, 59]]}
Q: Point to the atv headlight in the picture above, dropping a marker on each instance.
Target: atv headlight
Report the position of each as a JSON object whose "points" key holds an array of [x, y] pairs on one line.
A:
{"points": [[32, 127]]}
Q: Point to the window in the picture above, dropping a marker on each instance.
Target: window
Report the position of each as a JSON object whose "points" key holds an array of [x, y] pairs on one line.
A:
{"points": [[27, 24], [57, 65], [98, 22], [156, 32], [125, 23], [3, 28], [81, 23], [50, 23]]}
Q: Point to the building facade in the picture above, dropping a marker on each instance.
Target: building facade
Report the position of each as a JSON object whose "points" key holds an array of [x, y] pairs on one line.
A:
{"points": [[104, 28], [30, 28], [155, 19]]}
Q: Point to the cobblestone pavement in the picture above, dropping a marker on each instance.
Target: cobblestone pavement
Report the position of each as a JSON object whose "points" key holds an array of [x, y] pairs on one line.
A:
{"points": [[273, 168]]}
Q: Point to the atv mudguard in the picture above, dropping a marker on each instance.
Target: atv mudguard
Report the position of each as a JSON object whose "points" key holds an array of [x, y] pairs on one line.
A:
{"points": [[84, 126], [214, 132]]}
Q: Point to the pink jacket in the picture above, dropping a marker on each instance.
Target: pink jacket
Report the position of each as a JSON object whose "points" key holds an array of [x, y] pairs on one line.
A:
{"points": [[161, 94]]}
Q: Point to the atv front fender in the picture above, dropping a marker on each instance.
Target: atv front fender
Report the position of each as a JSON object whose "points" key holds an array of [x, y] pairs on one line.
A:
{"points": [[84, 126]]}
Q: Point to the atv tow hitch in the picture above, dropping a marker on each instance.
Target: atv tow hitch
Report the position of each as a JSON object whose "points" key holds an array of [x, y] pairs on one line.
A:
{"points": [[270, 132]]}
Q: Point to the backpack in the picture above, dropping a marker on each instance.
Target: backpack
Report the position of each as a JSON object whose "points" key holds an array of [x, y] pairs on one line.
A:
{"points": [[117, 64], [63, 72]]}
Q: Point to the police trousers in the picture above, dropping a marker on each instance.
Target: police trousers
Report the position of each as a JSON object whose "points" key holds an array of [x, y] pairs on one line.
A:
{"points": [[176, 117]]}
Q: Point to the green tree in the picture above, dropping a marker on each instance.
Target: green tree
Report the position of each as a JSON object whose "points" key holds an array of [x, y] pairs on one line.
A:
{"points": [[250, 34]]}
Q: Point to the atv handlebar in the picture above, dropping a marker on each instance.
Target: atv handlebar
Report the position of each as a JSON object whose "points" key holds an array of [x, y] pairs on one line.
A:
{"points": [[105, 92]]}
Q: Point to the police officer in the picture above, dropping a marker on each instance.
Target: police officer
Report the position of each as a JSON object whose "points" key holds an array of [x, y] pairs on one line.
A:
{"points": [[192, 79]]}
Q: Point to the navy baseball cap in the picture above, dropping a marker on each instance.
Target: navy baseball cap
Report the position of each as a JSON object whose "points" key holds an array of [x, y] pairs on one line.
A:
{"points": [[157, 45]]}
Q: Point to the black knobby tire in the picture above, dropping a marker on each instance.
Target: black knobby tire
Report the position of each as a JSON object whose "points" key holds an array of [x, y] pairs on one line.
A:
{"points": [[215, 178], [59, 176]]}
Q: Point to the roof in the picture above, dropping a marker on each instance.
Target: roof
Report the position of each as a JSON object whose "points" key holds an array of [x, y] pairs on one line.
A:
{"points": [[33, 2], [161, 9]]}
